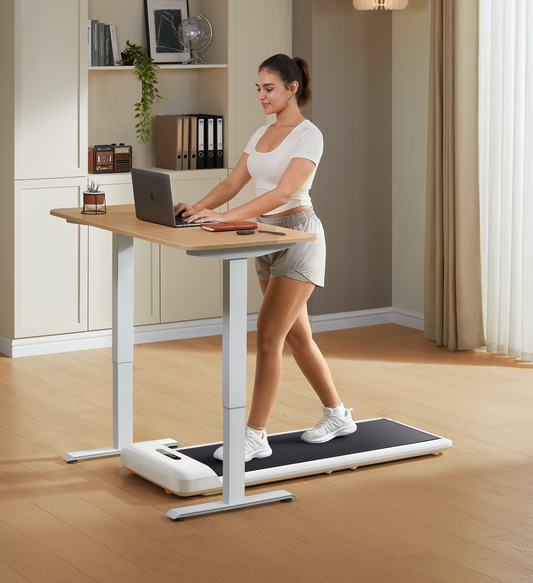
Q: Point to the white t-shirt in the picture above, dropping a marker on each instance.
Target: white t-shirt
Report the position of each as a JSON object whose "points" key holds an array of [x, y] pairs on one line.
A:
{"points": [[267, 168]]}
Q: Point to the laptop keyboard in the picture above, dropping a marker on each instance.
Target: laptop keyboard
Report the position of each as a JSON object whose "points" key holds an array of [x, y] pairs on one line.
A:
{"points": [[183, 222]]}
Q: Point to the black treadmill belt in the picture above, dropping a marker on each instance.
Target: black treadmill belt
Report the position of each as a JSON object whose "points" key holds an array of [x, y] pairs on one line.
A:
{"points": [[288, 448]]}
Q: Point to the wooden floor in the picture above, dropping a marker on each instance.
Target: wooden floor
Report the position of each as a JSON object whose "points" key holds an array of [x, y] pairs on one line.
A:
{"points": [[465, 516]]}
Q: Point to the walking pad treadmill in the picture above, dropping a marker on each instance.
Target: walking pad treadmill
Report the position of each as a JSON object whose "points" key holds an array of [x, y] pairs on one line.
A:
{"points": [[188, 471]]}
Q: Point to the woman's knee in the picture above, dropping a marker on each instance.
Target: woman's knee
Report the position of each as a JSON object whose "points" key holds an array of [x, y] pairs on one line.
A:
{"points": [[269, 339], [299, 340]]}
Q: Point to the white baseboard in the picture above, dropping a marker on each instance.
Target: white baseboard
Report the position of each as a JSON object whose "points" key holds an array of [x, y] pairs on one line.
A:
{"points": [[198, 328], [102, 338], [408, 319], [344, 320], [340, 321], [6, 346]]}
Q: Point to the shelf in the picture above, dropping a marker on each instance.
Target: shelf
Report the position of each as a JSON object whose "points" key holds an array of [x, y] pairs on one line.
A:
{"points": [[161, 67], [125, 177]]}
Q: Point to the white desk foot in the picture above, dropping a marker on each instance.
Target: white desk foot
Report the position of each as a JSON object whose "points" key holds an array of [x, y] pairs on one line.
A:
{"points": [[210, 507], [74, 456]]}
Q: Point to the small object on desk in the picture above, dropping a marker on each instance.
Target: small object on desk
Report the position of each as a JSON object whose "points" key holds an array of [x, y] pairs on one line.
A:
{"points": [[93, 199], [246, 232], [272, 232], [235, 226]]}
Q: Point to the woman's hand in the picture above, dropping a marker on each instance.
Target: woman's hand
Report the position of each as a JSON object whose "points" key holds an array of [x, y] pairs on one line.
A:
{"points": [[206, 216], [183, 210]]}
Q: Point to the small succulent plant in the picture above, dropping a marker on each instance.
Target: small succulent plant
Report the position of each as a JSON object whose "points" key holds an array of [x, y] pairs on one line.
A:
{"points": [[92, 186]]}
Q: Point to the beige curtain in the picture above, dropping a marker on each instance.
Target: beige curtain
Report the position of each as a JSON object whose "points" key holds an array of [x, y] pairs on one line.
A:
{"points": [[453, 314]]}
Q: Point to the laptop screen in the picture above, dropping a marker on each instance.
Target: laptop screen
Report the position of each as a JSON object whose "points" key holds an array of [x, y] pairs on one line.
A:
{"points": [[152, 193]]}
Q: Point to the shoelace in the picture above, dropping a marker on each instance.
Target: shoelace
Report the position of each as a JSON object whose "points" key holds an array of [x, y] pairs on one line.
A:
{"points": [[325, 419], [251, 442]]}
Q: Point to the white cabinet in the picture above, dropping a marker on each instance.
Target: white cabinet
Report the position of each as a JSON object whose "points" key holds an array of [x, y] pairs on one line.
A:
{"points": [[43, 165], [50, 260], [50, 82]]}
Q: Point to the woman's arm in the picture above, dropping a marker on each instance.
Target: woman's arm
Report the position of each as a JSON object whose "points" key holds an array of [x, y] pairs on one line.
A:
{"points": [[222, 193], [297, 173]]}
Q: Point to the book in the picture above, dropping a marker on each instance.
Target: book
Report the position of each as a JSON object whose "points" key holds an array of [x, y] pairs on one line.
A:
{"points": [[107, 46], [219, 142], [114, 46], [186, 123], [169, 142], [200, 148], [101, 44], [193, 142], [89, 48], [210, 142], [94, 43]]}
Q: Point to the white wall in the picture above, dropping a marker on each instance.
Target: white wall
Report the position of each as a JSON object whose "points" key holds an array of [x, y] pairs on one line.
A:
{"points": [[410, 84], [352, 95]]}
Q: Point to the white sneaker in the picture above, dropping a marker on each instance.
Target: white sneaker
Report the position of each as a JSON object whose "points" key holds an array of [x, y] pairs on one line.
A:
{"points": [[331, 425], [255, 445]]}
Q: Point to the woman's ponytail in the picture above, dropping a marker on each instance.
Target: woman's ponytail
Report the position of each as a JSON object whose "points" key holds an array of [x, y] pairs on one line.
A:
{"points": [[304, 93]]}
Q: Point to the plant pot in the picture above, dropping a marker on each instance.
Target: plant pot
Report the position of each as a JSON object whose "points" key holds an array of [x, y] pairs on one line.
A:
{"points": [[94, 198], [127, 60], [94, 202]]}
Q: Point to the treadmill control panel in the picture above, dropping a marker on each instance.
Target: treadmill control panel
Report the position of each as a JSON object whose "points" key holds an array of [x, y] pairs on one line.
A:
{"points": [[168, 454]]}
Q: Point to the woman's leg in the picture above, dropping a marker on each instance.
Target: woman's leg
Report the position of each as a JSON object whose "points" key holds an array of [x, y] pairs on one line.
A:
{"points": [[311, 361], [284, 299]]}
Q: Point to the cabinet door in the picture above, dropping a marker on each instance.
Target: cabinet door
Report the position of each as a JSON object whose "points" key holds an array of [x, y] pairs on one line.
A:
{"points": [[50, 260], [191, 286], [50, 88], [146, 269]]}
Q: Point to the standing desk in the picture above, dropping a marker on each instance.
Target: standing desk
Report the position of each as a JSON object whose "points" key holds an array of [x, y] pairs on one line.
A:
{"points": [[234, 251]]}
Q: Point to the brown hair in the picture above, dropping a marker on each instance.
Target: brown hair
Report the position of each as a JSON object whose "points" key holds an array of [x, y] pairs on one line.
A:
{"points": [[289, 70]]}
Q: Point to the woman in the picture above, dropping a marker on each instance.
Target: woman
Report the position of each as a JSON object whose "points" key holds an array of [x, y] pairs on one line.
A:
{"points": [[282, 158]]}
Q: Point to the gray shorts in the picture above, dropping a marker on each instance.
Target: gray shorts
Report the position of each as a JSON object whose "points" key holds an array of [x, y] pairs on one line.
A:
{"points": [[303, 261]]}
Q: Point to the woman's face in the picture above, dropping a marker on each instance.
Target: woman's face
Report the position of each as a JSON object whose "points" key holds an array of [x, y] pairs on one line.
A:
{"points": [[272, 93]]}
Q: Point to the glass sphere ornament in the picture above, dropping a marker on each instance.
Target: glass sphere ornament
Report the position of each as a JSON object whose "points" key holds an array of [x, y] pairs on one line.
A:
{"points": [[195, 34]]}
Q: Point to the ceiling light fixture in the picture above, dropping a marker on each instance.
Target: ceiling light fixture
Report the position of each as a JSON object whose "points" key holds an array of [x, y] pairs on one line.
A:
{"points": [[380, 4]]}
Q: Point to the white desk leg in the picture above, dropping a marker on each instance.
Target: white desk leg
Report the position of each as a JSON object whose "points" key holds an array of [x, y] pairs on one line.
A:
{"points": [[122, 336], [233, 399], [122, 341], [234, 377]]}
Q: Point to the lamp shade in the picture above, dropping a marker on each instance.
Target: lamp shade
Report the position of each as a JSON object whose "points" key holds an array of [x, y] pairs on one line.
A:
{"points": [[380, 4]]}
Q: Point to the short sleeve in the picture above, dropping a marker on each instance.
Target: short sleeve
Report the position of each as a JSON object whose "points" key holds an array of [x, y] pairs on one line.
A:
{"points": [[254, 139], [310, 145]]}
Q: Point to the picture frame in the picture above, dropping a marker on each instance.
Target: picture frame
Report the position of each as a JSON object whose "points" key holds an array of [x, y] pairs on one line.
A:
{"points": [[162, 20]]}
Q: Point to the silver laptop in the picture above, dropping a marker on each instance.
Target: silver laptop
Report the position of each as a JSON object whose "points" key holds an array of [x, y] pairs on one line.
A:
{"points": [[152, 193]]}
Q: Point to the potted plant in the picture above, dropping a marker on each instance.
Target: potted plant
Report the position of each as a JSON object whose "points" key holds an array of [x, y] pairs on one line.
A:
{"points": [[93, 199], [143, 69]]}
